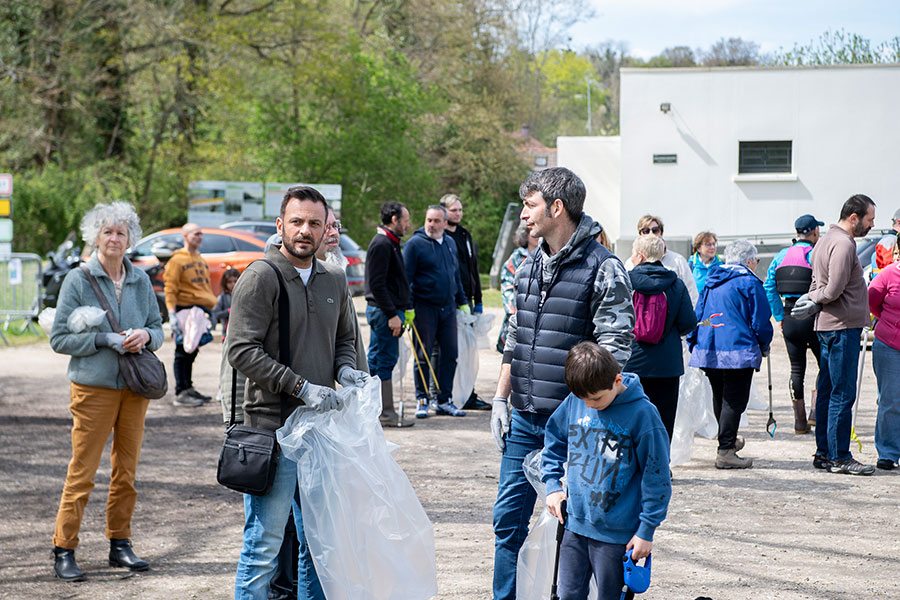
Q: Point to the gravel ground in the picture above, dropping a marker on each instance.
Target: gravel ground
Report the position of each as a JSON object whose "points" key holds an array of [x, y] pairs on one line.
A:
{"points": [[779, 530]]}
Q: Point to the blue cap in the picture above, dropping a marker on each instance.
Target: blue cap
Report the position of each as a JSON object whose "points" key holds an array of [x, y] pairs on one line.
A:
{"points": [[807, 223]]}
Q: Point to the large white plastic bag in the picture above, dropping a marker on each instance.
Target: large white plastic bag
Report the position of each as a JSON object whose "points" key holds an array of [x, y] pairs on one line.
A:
{"points": [[45, 319], [534, 566], [467, 359], [369, 536], [482, 326], [85, 317]]}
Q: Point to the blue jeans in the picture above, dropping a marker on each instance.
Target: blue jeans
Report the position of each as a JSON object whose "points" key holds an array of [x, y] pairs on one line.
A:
{"points": [[887, 425], [264, 520], [837, 392], [384, 348], [515, 499], [580, 556], [436, 324]]}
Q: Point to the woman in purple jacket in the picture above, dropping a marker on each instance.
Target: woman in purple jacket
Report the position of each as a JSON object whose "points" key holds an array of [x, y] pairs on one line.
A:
{"points": [[884, 303]]}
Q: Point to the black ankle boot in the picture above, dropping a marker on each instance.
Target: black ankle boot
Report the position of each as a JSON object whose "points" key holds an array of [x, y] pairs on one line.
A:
{"points": [[121, 555], [64, 565]]}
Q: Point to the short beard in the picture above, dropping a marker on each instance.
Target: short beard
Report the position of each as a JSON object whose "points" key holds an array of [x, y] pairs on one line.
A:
{"points": [[860, 230], [336, 258], [298, 254]]}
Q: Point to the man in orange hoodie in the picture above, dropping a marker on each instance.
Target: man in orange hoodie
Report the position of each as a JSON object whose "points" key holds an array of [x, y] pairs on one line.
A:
{"points": [[186, 279]]}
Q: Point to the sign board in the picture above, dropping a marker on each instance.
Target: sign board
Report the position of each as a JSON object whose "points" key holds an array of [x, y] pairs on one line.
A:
{"points": [[5, 248], [275, 194], [5, 207], [6, 230], [5, 184], [212, 203], [665, 159], [15, 271]]}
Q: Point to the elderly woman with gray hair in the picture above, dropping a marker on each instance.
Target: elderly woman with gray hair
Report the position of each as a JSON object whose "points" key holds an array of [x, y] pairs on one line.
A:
{"points": [[734, 335], [101, 403]]}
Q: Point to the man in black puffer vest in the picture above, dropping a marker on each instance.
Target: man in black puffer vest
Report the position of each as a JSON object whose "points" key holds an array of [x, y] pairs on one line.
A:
{"points": [[569, 290]]}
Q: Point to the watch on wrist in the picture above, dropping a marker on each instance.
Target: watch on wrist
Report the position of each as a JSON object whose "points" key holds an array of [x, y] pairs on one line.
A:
{"points": [[297, 388]]}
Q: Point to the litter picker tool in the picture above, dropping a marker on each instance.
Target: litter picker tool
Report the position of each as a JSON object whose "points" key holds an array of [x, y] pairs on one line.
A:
{"points": [[859, 377], [560, 531], [771, 422], [707, 322], [418, 364], [637, 577], [427, 360]]}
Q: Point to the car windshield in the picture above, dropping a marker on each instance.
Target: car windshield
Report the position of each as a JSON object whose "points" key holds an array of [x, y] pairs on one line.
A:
{"points": [[348, 245]]}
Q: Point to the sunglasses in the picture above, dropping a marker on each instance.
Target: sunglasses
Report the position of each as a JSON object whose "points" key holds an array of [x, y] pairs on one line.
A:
{"points": [[646, 230]]}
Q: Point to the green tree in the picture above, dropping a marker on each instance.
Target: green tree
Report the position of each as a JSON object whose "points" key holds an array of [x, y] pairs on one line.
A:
{"points": [[840, 48]]}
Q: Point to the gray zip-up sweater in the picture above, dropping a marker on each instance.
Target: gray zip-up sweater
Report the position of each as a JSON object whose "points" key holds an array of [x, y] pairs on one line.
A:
{"points": [[138, 310], [322, 334]]}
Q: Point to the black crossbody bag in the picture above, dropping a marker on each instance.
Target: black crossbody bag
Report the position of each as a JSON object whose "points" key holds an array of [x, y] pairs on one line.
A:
{"points": [[249, 455], [144, 374]]}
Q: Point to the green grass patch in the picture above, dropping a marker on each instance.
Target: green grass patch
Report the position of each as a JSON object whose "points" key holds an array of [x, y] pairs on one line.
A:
{"points": [[489, 297], [19, 334]]}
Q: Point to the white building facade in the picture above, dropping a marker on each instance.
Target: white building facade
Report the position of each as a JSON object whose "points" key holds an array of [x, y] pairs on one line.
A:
{"points": [[744, 151]]}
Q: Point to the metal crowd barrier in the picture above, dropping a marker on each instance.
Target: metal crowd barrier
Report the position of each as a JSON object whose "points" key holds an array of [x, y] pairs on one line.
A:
{"points": [[20, 290]]}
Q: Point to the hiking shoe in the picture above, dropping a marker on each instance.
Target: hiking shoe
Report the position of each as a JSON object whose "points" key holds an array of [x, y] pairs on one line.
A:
{"points": [[448, 408], [886, 464], [422, 410], [476, 403], [728, 459], [820, 461], [184, 398], [195, 394], [851, 467]]}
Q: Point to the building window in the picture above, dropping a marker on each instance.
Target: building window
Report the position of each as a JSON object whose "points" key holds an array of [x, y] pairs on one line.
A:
{"points": [[764, 157], [540, 161]]}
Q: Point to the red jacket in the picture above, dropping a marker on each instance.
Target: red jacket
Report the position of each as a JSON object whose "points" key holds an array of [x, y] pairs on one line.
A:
{"points": [[884, 303]]}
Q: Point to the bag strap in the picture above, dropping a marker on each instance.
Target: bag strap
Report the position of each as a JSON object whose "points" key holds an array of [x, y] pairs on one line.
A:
{"points": [[284, 344], [104, 303]]}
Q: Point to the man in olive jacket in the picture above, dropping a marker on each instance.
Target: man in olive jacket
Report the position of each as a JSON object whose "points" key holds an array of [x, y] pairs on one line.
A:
{"points": [[323, 350]]}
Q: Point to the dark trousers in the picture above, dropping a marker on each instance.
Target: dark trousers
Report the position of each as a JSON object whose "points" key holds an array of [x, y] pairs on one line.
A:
{"points": [[183, 366], [663, 393], [436, 324], [579, 557], [799, 336], [731, 392]]}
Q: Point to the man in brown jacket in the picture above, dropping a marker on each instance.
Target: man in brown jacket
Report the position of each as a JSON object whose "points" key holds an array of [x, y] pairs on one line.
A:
{"points": [[838, 298], [186, 279], [323, 350]]}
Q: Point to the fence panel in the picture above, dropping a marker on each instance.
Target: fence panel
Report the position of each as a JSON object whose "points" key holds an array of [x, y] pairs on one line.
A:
{"points": [[20, 288]]}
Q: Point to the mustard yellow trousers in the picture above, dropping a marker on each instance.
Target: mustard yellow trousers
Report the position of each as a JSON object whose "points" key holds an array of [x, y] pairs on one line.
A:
{"points": [[96, 412]]}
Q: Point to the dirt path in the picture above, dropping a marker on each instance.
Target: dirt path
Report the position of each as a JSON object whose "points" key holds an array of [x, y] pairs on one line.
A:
{"points": [[779, 530]]}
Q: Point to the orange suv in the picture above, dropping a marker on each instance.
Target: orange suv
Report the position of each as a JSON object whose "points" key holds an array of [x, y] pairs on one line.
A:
{"points": [[222, 249]]}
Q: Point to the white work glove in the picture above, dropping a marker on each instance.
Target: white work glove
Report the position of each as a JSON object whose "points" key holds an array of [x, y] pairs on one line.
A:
{"points": [[348, 377], [499, 421], [110, 340], [173, 323], [320, 398], [805, 308]]}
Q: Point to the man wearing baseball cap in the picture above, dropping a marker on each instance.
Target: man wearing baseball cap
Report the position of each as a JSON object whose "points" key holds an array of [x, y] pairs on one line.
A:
{"points": [[788, 278], [882, 256]]}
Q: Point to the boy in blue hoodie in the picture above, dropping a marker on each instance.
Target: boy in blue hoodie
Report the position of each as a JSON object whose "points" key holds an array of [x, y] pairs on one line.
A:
{"points": [[618, 474]]}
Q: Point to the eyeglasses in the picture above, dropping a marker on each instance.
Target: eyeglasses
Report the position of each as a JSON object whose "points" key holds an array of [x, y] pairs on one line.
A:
{"points": [[646, 230], [709, 244], [336, 225]]}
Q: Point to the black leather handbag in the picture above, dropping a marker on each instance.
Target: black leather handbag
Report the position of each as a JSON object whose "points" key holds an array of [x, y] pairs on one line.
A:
{"points": [[249, 455], [143, 372]]}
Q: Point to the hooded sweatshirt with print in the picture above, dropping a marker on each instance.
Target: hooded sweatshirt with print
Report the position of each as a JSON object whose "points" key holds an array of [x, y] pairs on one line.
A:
{"points": [[618, 474], [737, 293]]}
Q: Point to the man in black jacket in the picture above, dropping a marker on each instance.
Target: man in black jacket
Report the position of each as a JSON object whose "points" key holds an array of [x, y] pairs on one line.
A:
{"points": [[468, 271], [387, 295]]}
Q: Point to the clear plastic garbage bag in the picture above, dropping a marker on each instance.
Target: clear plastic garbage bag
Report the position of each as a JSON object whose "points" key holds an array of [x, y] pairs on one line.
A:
{"points": [[467, 358], [534, 568], [694, 414], [369, 536], [84, 317], [399, 371], [45, 319], [482, 326]]}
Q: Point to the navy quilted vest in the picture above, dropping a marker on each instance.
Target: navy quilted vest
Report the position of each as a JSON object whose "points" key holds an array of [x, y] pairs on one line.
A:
{"points": [[549, 323]]}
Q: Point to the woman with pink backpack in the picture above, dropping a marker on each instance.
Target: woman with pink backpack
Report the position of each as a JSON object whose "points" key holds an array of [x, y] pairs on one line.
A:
{"points": [[663, 314]]}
